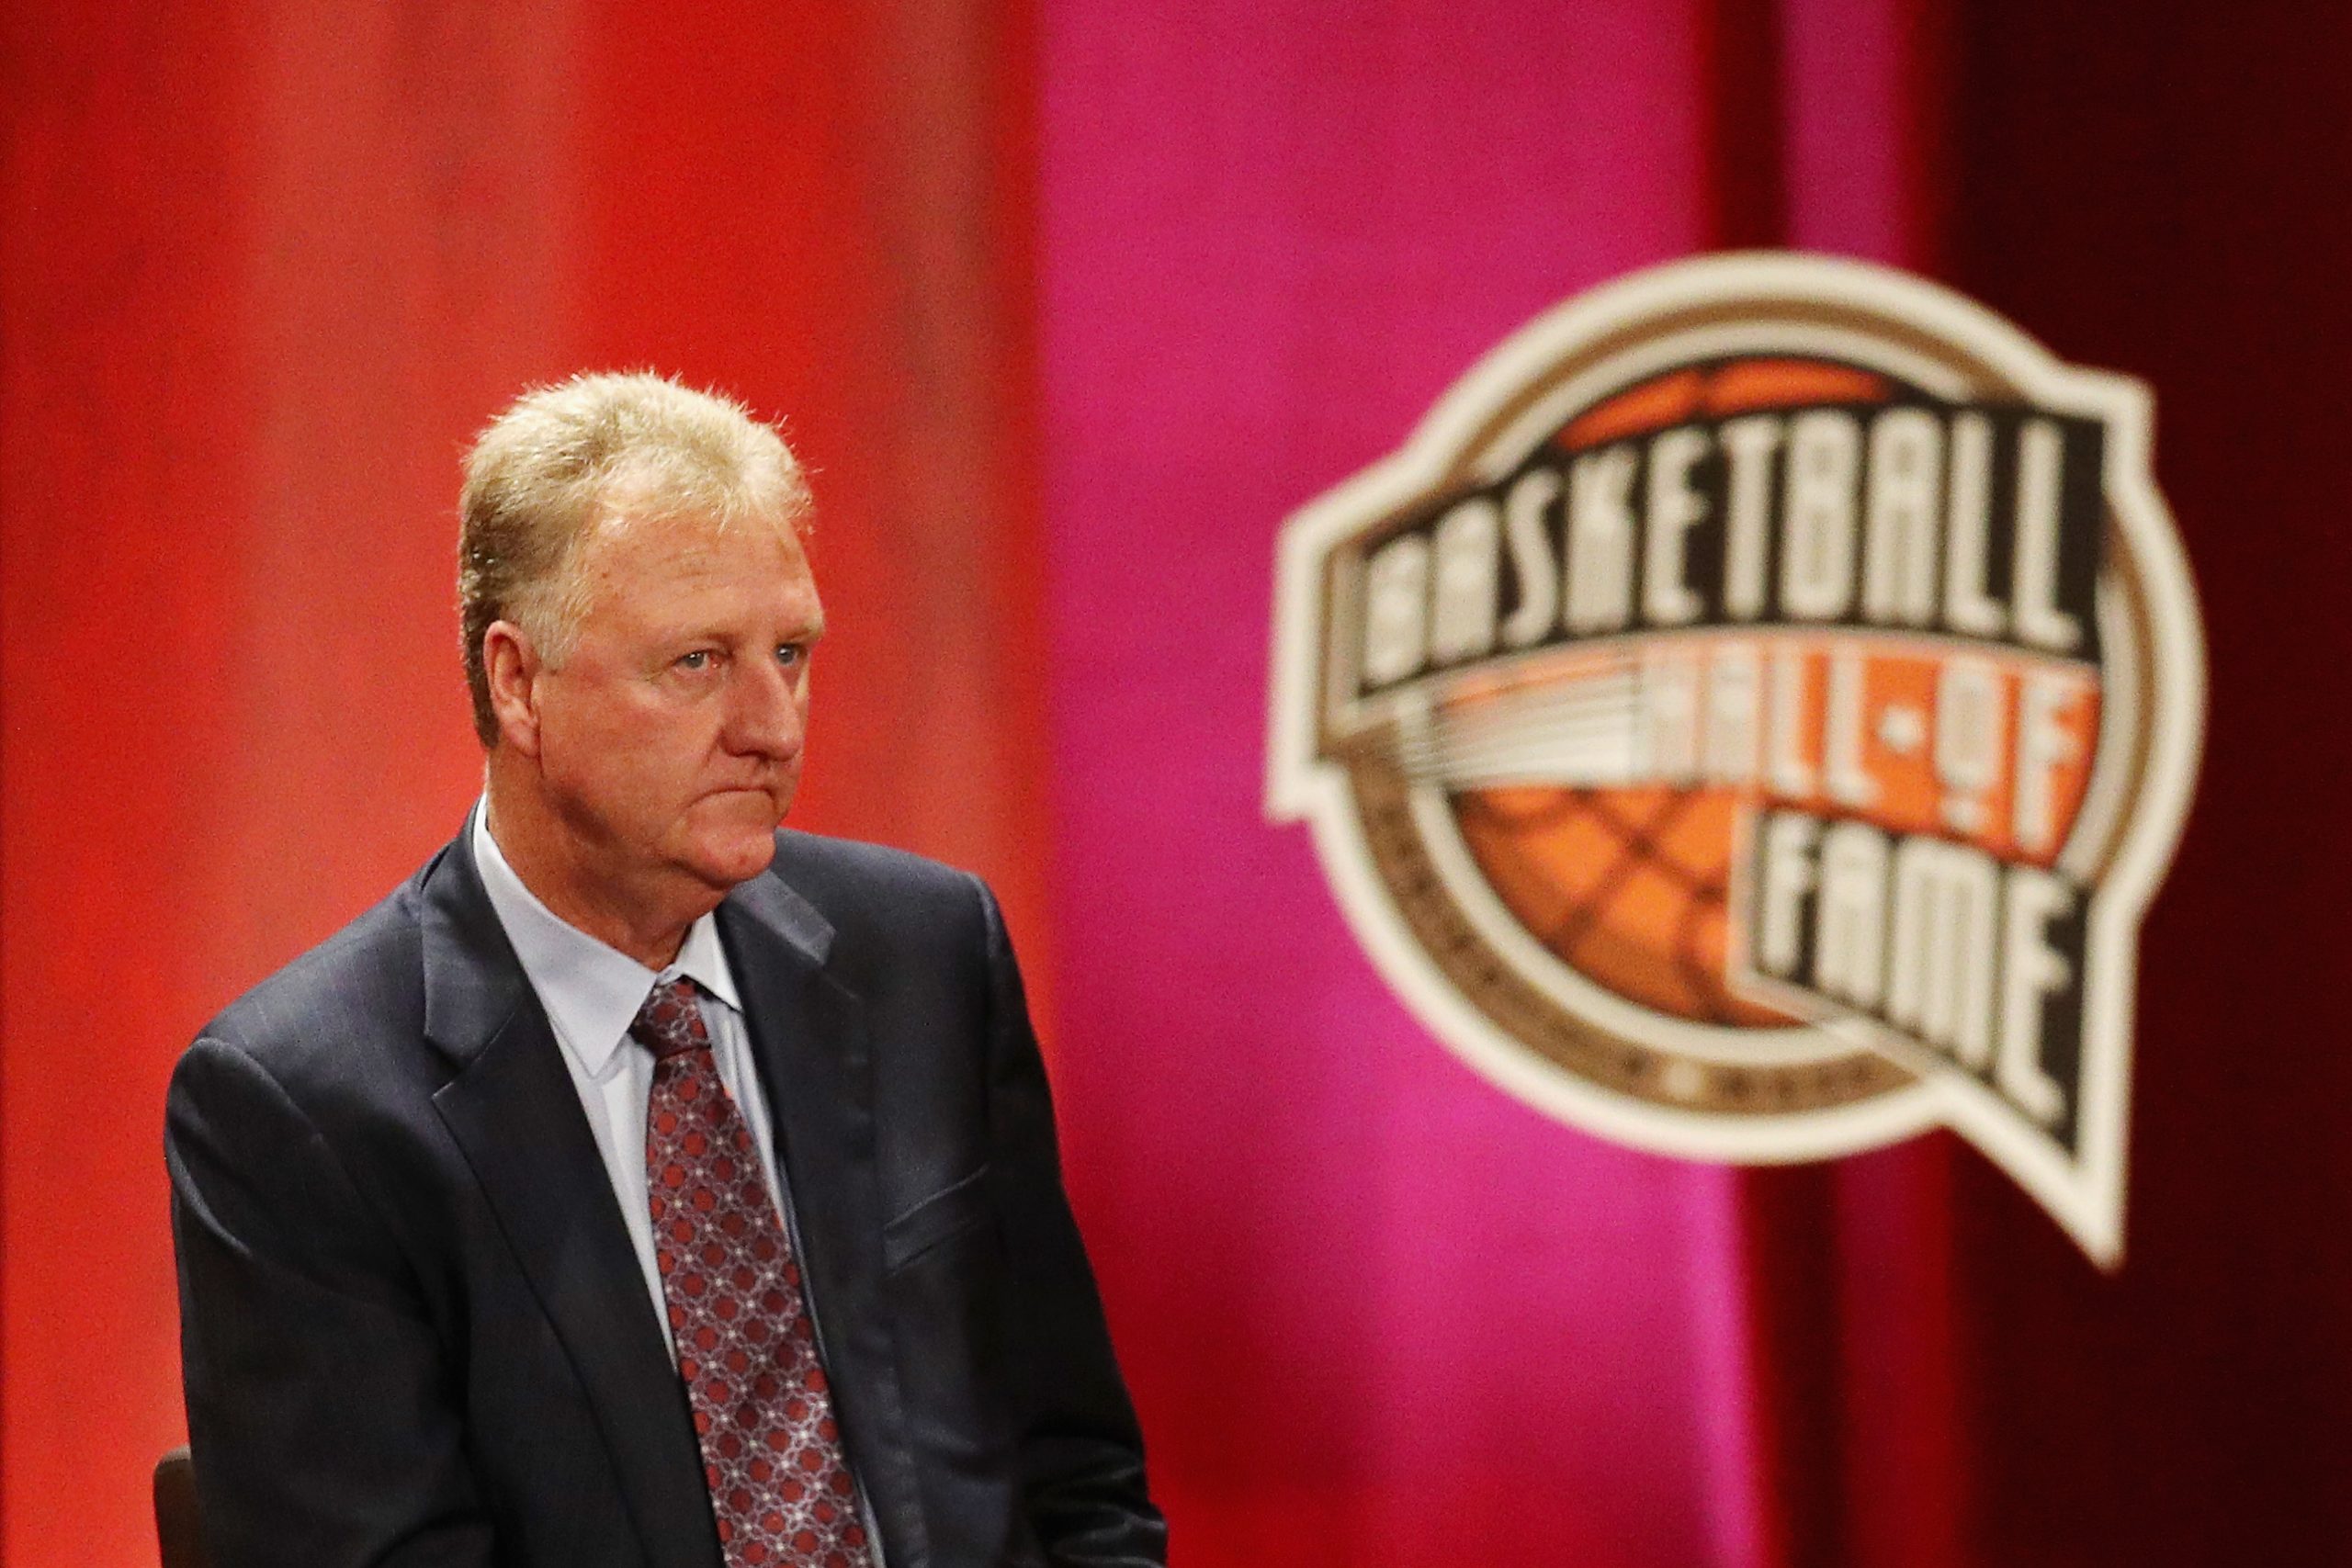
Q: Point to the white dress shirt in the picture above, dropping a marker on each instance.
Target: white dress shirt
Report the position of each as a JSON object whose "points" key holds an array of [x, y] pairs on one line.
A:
{"points": [[592, 994]]}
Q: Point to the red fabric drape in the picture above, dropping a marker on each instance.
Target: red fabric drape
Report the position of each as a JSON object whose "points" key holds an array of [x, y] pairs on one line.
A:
{"points": [[266, 270], [1956, 1384], [2151, 188]]}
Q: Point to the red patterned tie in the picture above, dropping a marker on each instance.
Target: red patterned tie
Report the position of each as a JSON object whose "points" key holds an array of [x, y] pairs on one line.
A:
{"points": [[747, 1350]]}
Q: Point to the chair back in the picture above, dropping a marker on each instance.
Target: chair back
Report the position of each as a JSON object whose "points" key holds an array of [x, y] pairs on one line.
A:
{"points": [[175, 1516]]}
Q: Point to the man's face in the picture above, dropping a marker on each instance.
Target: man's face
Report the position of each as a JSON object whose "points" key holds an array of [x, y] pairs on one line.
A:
{"points": [[669, 737]]}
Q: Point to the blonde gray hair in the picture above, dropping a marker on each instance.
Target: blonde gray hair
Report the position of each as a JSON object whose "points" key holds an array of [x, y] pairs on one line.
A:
{"points": [[562, 459]]}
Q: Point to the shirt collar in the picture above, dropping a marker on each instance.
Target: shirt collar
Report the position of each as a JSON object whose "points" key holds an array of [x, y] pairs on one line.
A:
{"points": [[592, 991]]}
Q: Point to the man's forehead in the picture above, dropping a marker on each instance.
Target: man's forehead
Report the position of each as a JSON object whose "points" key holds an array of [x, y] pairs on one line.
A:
{"points": [[667, 567], [692, 542]]}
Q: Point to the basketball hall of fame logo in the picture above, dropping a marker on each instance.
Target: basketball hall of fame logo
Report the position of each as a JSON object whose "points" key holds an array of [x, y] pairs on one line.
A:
{"points": [[1750, 716]]}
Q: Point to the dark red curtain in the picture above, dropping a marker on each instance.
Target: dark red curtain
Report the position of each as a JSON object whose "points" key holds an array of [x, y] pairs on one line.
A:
{"points": [[2153, 188]]}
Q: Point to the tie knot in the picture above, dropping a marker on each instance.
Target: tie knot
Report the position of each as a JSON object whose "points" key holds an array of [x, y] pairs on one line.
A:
{"points": [[671, 1021]]}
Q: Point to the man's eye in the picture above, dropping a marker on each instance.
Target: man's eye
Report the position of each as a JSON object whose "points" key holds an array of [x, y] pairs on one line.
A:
{"points": [[790, 653], [698, 659]]}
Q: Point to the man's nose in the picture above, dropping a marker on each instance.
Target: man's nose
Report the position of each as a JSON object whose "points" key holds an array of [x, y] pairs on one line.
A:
{"points": [[764, 717]]}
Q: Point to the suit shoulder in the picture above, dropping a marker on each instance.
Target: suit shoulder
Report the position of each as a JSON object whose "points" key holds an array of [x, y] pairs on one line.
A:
{"points": [[843, 876], [885, 906], [365, 982]]}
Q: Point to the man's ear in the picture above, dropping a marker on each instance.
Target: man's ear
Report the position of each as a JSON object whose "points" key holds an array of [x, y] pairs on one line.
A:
{"points": [[513, 666]]}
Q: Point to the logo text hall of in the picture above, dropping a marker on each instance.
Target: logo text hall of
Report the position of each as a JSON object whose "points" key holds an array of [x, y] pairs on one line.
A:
{"points": [[1750, 717]]}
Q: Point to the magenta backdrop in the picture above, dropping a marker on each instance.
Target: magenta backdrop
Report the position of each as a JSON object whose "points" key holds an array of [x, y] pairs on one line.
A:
{"points": [[1375, 1312]]}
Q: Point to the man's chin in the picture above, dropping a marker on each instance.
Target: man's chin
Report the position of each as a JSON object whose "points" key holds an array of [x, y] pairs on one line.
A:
{"points": [[724, 859]]}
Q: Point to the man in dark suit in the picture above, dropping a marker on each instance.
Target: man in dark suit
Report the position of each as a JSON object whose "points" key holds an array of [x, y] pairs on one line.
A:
{"points": [[640, 1184]]}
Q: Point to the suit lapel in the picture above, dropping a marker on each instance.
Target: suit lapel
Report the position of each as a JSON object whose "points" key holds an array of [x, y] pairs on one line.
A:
{"points": [[809, 1036], [514, 1114]]}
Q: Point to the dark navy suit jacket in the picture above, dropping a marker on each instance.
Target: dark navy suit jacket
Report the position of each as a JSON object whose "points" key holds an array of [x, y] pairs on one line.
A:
{"points": [[413, 1329]]}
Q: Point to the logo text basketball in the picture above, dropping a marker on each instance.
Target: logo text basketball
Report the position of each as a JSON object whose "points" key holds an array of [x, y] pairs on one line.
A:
{"points": [[1750, 715]]}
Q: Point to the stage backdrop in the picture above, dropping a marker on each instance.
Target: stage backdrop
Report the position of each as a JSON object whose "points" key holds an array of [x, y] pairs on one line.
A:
{"points": [[1068, 305]]}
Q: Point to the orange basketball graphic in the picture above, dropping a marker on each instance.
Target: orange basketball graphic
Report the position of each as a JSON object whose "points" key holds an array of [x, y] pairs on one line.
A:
{"points": [[1631, 885], [1750, 716]]}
